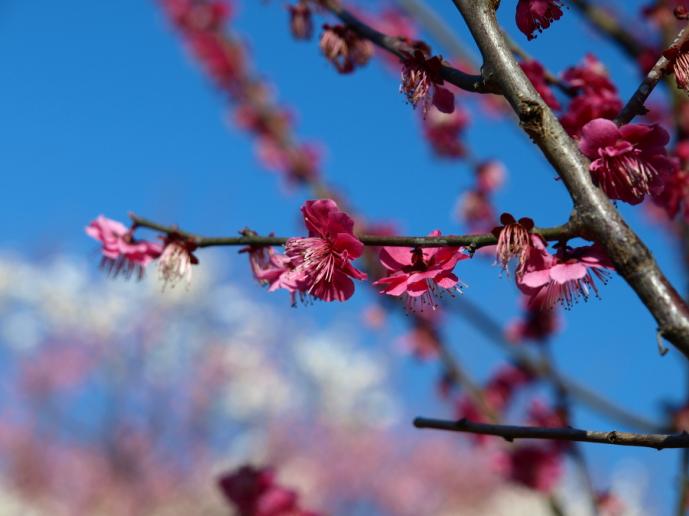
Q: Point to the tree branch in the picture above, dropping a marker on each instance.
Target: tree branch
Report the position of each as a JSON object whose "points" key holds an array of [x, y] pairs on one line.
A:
{"points": [[594, 211], [635, 105], [473, 242], [511, 432], [398, 47]]}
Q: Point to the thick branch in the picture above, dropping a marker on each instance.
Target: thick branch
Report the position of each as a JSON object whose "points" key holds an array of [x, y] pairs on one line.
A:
{"points": [[511, 432], [398, 47], [635, 105], [599, 218], [558, 233]]}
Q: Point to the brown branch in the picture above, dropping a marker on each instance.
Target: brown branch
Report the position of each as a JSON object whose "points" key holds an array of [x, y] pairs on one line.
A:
{"points": [[511, 432], [635, 105], [398, 47], [598, 217], [545, 370], [564, 232], [608, 25]]}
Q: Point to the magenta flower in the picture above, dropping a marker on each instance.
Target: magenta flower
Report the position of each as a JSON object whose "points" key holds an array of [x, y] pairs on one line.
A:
{"points": [[535, 325], [679, 59], [563, 277], [536, 74], [627, 162], [122, 254], [514, 241], [301, 23], [344, 48], [422, 83], [420, 273], [537, 467], [322, 261], [537, 15], [597, 96], [275, 270]]}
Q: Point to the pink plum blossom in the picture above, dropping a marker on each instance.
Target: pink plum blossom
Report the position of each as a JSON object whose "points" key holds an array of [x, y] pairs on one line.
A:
{"points": [[176, 260], [419, 273], [514, 241], [443, 131], [679, 59], [422, 83], [322, 261], [537, 15], [563, 277], [301, 23], [628, 162], [344, 48], [275, 270], [535, 324], [535, 466], [122, 254]]}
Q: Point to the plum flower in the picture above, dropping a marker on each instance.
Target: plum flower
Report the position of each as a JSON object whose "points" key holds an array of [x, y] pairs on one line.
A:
{"points": [[422, 83], [627, 162], [537, 467], [420, 274], [176, 260], [563, 277], [443, 131], [274, 270], [301, 23], [537, 15], [122, 254], [514, 240], [679, 59], [344, 48], [535, 324], [322, 261]]}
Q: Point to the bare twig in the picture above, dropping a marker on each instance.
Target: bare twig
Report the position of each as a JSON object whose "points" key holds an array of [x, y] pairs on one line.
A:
{"points": [[473, 242], [600, 219], [511, 432]]}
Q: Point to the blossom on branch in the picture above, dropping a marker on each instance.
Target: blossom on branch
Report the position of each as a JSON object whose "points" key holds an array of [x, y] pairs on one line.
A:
{"points": [[422, 82], [344, 48], [274, 270], [322, 261], [443, 130], [628, 162], [679, 59], [420, 273], [514, 241], [564, 277], [537, 15], [122, 253], [176, 260]]}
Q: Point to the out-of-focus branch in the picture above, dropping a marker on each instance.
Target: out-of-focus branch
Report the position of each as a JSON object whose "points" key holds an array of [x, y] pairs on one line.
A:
{"points": [[511, 432], [473, 242], [608, 25], [400, 48], [483, 322], [599, 218], [635, 105]]}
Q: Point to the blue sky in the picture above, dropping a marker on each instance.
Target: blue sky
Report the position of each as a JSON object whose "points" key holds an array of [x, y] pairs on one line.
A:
{"points": [[103, 112]]}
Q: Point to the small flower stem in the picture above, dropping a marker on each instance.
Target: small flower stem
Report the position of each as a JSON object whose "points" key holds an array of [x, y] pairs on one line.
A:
{"points": [[511, 432], [557, 233]]}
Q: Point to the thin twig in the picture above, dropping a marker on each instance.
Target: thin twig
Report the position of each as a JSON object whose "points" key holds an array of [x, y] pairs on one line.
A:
{"points": [[635, 105], [511, 432], [471, 241]]}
